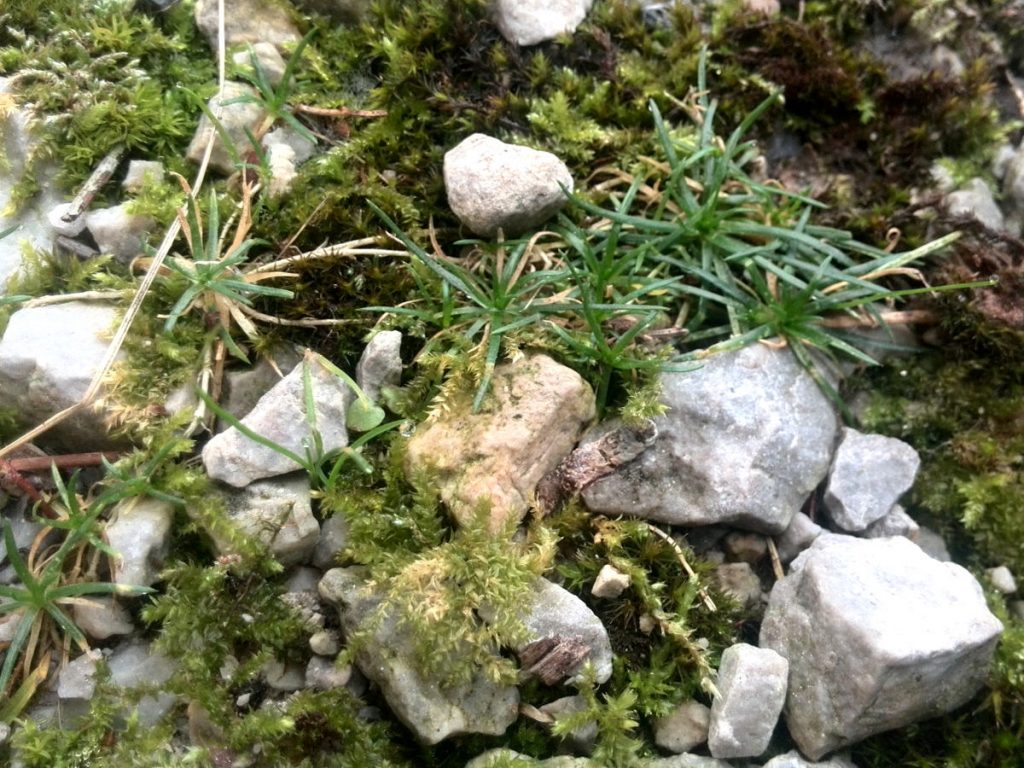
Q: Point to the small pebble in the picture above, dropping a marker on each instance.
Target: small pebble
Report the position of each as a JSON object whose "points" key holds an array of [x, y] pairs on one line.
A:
{"points": [[610, 582], [1002, 579], [325, 643]]}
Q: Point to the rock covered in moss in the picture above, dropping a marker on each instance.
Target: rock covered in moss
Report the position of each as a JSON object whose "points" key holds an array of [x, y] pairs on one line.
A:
{"points": [[751, 691], [869, 473], [236, 118], [878, 636], [281, 417], [532, 418], [492, 185], [745, 440], [247, 21], [528, 22], [431, 710]]}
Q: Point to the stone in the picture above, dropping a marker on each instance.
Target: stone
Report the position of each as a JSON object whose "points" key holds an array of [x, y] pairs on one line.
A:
{"points": [[247, 21], [506, 757], [139, 531], [531, 419], [797, 537], [1013, 180], [99, 617], [280, 416], [878, 636], [267, 57], [236, 117], [283, 172], [48, 357], [77, 680], [278, 513], [118, 232], [739, 581], [684, 728], [751, 691], [744, 547], [325, 674], [610, 582], [1002, 579], [746, 439], [554, 613], [869, 473], [686, 761], [244, 388], [794, 759], [581, 740], [18, 145], [431, 710], [380, 364], [140, 173], [933, 544], [302, 147], [284, 677], [135, 665], [333, 539], [337, 10], [326, 642], [895, 523], [495, 186], [974, 200], [528, 22]]}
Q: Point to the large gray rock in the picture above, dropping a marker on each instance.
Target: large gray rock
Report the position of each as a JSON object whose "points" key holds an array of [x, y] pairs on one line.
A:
{"points": [[751, 691], [492, 185], [878, 635], [278, 513], [280, 416], [139, 532], [48, 356], [431, 710], [532, 418], [869, 473], [746, 439], [528, 22]]}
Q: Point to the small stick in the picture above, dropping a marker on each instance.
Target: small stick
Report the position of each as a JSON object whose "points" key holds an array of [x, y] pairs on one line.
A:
{"points": [[310, 323], [9, 474], [341, 112], [33, 464], [100, 176], [705, 598], [773, 552], [61, 298]]}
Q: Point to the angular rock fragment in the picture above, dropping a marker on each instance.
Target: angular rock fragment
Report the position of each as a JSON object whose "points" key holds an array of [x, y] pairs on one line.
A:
{"points": [[896, 523], [532, 419], [878, 635], [869, 473], [134, 665], [492, 185], [528, 22], [139, 532], [746, 438], [751, 691], [380, 364], [236, 118], [247, 21]]}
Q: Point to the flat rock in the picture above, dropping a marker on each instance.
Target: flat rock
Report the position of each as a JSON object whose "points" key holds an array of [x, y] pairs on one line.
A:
{"points": [[492, 185], [746, 439], [532, 418], [280, 416], [751, 691], [429, 709], [139, 532], [247, 21], [278, 513], [869, 473], [236, 118], [528, 22], [878, 636], [48, 356]]}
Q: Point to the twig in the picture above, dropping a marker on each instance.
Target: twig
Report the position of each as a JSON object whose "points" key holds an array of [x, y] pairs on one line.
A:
{"points": [[896, 317], [342, 112], [351, 248], [62, 461], [14, 478], [773, 552], [96, 181], [61, 298], [308, 323], [705, 598]]}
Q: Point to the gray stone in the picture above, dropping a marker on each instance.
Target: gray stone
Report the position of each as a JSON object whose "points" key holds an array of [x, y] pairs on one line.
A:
{"points": [[278, 513], [794, 759], [492, 185], [283, 169], [284, 677], [869, 473], [325, 674], [267, 57], [581, 740], [531, 419], [739, 581], [300, 145], [1002, 579], [933, 544], [975, 201], [333, 539], [280, 416], [504, 757], [244, 388], [141, 173], [236, 118], [610, 582], [553, 612], [528, 22], [326, 642], [685, 761], [431, 710], [99, 617], [797, 537], [139, 532], [896, 523], [48, 356], [380, 364], [118, 232], [1013, 180], [878, 635], [247, 21], [751, 691], [135, 665], [684, 728], [744, 547], [746, 439], [77, 680]]}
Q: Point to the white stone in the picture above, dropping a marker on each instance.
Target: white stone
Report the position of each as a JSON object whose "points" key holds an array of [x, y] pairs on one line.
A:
{"points": [[247, 21], [751, 691], [267, 57], [327, 642], [135, 664], [100, 617], [528, 22], [140, 173], [684, 728], [118, 232], [279, 514], [324, 674], [610, 582], [380, 364], [794, 759], [495, 186], [139, 532], [975, 200], [745, 547], [284, 677], [333, 538], [1002, 579], [797, 537], [77, 680], [236, 117], [896, 523], [739, 581]]}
